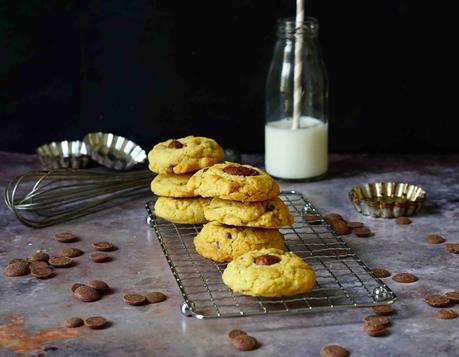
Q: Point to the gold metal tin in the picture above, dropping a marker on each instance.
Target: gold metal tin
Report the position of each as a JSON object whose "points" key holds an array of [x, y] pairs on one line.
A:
{"points": [[387, 199], [64, 154], [113, 151]]}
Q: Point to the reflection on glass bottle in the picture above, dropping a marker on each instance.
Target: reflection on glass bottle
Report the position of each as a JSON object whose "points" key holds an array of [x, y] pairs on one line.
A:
{"points": [[296, 153]]}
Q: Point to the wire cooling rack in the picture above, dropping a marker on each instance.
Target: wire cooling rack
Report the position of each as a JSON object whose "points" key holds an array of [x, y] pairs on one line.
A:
{"points": [[342, 279]]}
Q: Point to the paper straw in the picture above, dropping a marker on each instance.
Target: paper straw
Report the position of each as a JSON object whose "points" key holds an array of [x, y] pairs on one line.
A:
{"points": [[297, 89]]}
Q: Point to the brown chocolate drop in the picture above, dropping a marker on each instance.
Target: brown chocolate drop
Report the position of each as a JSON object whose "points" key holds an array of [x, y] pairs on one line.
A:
{"points": [[240, 171], [175, 144], [267, 259]]}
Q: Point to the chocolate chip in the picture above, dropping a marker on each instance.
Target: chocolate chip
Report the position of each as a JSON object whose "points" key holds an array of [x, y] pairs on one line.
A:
{"points": [[65, 237], [446, 314], [383, 320], [70, 252], [333, 351], [41, 272], [155, 297], [266, 259], [96, 322], [383, 310], [100, 257], [134, 299], [86, 294], [17, 268], [434, 239], [240, 171], [38, 264], [452, 247], [381, 273], [340, 227], [99, 285], [402, 220], [175, 144], [60, 262], [76, 286], [103, 246], [453, 296], [374, 329], [436, 300], [73, 322], [244, 343], [39, 257], [233, 333], [404, 278], [354, 225], [362, 232], [228, 235]]}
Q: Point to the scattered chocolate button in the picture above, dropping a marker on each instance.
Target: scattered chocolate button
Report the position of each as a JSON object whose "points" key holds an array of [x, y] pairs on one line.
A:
{"points": [[15, 260], [65, 237], [434, 239], [70, 252], [446, 314], [381, 273], [99, 285], [155, 297], [38, 264], [60, 262], [41, 272], [354, 225], [436, 300], [96, 322], [452, 247], [333, 351], [453, 296], [384, 310], [134, 299], [340, 227], [404, 278], [39, 257], [383, 320], [100, 257], [402, 220], [244, 343], [86, 294], [17, 268], [233, 333], [374, 329], [362, 232], [73, 322], [311, 218], [103, 246], [76, 286], [333, 217]]}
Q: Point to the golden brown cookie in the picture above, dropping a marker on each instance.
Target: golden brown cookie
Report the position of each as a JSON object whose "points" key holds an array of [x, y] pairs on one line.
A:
{"points": [[184, 155], [266, 214], [235, 182], [182, 210], [269, 273], [224, 243], [171, 186]]}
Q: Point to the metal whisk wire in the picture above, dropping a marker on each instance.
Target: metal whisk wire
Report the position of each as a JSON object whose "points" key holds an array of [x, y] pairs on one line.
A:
{"points": [[46, 197]]}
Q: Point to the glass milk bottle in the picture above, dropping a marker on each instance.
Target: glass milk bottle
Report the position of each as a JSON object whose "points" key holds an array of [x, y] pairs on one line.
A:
{"points": [[296, 150]]}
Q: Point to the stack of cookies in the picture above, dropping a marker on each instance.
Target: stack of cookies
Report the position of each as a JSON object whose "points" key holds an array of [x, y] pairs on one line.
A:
{"points": [[244, 212], [175, 160]]}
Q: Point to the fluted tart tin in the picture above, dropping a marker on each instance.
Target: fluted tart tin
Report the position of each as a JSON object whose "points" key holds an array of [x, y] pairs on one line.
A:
{"points": [[387, 199], [113, 151], [64, 154]]}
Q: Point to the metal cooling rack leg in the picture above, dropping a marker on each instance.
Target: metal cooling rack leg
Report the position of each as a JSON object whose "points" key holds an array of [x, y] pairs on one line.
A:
{"points": [[185, 309]]}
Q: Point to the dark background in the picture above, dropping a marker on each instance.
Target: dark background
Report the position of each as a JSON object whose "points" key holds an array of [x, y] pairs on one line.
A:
{"points": [[154, 69]]}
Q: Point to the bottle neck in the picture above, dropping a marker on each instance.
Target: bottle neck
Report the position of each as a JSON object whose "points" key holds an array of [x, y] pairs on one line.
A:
{"points": [[287, 28]]}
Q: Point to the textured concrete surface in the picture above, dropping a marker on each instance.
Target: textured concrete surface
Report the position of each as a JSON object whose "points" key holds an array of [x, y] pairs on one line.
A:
{"points": [[32, 311]]}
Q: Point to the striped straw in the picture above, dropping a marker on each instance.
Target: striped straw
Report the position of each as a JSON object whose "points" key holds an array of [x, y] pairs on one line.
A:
{"points": [[297, 89]]}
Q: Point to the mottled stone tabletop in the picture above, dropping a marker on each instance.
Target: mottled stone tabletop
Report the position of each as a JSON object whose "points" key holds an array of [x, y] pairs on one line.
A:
{"points": [[32, 311]]}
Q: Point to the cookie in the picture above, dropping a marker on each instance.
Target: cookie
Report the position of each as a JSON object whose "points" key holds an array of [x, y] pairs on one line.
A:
{"points": [[235, 182], [182, 210], [225, 243], [184, 155], [266, 214], [171, 186], [269, 273]]}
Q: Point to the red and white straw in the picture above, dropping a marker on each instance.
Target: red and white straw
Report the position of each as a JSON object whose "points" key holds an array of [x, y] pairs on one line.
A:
{"points": [[297, 88]]}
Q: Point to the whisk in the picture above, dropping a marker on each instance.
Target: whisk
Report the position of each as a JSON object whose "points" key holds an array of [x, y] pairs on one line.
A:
{"points": [[47, 197]]}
